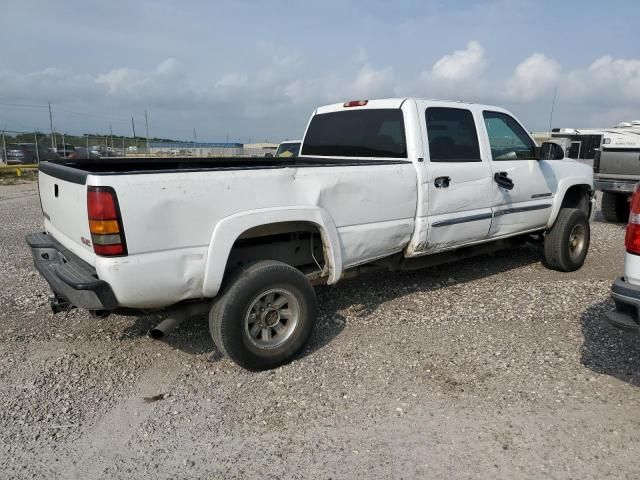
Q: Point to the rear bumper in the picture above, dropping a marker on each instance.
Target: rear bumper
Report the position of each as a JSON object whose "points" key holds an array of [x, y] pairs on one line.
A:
{"points": [[626, 315], [69, 276], [615, 186]]}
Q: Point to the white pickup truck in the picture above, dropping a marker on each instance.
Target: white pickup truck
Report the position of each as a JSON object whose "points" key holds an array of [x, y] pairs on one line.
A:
{"points": [[393, 183]]}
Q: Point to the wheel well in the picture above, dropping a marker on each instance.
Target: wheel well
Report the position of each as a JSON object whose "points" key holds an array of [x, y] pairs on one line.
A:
{"points": [[298, 244], [578, 196]]}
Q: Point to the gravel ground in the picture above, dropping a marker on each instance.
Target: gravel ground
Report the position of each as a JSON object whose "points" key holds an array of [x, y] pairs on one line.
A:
{"points": [[490, 368]]}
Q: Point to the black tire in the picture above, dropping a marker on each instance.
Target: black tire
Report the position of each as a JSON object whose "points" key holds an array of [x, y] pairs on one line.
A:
{"points": [[566, 244], [615, 207], [229, 316]]}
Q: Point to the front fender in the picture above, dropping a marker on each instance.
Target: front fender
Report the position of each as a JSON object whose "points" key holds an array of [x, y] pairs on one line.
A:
{"points": [[563, 186], [227, 231]]}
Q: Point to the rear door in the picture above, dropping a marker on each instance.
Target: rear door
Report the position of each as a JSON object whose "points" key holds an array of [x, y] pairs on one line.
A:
{"points": [[527, 205], [459, 178]]}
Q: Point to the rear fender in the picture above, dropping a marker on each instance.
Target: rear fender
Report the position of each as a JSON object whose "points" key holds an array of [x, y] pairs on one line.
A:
{"points": [[227, 231]]}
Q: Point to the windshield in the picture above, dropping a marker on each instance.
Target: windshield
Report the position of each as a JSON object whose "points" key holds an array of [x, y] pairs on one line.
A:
{"points": [[288, 150]]}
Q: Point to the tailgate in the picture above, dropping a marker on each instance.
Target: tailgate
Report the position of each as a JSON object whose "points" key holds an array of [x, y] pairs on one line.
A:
{"points": [[64, 205], [620, 161]]}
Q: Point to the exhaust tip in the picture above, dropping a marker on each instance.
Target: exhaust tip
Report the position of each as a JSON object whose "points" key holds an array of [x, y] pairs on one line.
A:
{"points": [[156, 333]]}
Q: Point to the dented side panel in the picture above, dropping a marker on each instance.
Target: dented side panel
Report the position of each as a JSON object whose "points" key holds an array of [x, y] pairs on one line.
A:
{"points": [[155, 280], [168, 217]]}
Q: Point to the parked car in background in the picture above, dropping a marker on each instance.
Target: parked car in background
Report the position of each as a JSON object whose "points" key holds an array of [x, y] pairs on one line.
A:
{"points": [[81, 153], [26, 153], [616, 169], [64, 150], [104, 151], [290, 149], [626, 289], [395, 184], [615, 156]]}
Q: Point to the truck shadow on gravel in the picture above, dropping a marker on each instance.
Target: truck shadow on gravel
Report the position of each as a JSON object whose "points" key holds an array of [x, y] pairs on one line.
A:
{"points": [[607, 350], [361, 296]]}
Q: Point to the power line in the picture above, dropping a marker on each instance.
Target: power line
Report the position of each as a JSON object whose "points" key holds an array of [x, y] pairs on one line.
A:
{"points": [[22, 105]]}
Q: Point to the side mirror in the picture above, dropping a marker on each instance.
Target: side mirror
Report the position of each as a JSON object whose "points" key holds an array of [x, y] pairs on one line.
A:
{"points": [[551, 151]]}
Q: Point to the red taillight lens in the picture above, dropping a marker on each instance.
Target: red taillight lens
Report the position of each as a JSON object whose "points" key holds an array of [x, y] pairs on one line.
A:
{"points": [[105, 222], [101, 204], [632, 235], [355, 103]]}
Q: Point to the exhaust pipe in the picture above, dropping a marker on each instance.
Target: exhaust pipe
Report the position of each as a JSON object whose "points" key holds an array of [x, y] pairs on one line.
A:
{"points": [[176, 315]]}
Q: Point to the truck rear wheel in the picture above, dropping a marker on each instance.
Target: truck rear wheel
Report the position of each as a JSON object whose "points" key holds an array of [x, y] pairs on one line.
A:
{"points": [[566, 244], [615, 207], [264, 315]]}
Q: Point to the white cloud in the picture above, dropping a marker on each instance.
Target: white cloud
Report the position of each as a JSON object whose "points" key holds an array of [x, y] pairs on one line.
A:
{"points": [[606, 80], [168, 67], [461, 64], [457, 76], [287, 86], [370, 82], [536, 76]]}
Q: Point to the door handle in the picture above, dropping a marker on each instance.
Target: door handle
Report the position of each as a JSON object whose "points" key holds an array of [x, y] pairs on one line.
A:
{"points": [[503, 180], [442, 182]]}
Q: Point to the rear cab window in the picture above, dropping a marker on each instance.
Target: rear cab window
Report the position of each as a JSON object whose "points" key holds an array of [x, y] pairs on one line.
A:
{"points": [[507, 139], [452, 135], [357, 133]]}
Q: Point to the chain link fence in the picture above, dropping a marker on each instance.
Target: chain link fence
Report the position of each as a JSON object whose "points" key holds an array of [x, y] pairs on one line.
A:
{"points": [[33, 147]]}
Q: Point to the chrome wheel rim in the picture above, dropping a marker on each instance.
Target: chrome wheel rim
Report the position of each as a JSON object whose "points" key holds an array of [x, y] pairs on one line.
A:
{"points": [[272, 318], [576, 241]]}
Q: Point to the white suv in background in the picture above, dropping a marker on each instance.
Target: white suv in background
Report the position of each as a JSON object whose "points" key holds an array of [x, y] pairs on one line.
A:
{"points": [[626, 290]]}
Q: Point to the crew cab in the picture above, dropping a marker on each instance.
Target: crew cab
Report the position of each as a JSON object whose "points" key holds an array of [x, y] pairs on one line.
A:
{"points": [[394, 183]]}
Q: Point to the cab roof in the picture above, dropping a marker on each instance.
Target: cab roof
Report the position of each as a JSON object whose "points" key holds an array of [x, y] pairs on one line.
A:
{"points": [[397, 103]]}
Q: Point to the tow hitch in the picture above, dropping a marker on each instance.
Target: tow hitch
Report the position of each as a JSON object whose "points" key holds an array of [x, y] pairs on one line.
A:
{"points": [[59, 304]]}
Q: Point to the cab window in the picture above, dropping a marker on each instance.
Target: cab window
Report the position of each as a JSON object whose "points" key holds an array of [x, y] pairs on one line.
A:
{"points": [[452, 135], [357, 133], [508, 140]]}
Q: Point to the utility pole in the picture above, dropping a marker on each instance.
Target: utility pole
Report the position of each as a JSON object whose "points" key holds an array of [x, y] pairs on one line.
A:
{"points": [[35, 136], [146, 123], [53, 138], [135, 139], [87, 145], [553, 103], [195, 140], [64, 146], [111, 135], [4, 145]]}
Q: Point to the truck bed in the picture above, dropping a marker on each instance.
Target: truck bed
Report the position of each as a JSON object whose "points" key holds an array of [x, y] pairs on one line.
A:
{"points": [[122, 165], [76, 171]]}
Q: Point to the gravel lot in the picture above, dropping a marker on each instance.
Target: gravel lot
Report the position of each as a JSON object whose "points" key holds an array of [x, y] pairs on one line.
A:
{"points": [[490, 368]]}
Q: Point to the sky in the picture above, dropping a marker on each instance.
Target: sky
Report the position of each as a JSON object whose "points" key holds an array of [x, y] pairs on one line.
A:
{"points": [[251, 70]]}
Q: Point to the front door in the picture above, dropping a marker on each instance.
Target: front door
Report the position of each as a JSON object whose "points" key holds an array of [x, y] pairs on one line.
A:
{"points": [[523, 202], [459, 179]]}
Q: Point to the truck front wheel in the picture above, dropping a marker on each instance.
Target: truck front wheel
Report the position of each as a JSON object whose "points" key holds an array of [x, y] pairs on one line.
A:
{"points": [[615, 207], [264, 315], [566, 244]]}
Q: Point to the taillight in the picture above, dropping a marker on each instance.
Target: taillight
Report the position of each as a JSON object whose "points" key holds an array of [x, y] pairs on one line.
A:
{"points": [[632, 235], [105, 222], [355, 103]]}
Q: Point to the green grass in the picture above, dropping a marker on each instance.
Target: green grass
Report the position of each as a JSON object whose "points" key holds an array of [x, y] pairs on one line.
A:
{"points": [[9, 177]]}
